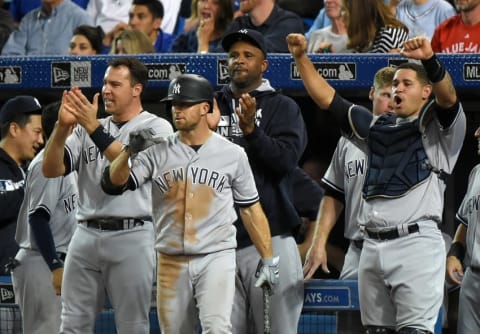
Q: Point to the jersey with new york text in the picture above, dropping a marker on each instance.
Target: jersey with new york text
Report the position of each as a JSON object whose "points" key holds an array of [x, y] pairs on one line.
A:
{"points": [[194, 192], [469, 215], [89, 162], [345, 175], [58, 196]]}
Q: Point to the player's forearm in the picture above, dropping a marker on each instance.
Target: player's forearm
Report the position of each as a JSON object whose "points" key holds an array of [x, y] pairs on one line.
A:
{"points": [[445, 93], [317, 87], [443, 89], [119, 170], [53, 165], [256, 224], [461, 235], [328, 213]]}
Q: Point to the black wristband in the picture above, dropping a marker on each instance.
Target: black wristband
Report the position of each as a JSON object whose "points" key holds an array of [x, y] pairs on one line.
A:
{"points": [[457, 250], [434, 68], [102, 138]]}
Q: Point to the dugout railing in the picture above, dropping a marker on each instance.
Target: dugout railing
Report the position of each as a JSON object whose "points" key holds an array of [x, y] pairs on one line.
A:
{"points": [[330, 307]]}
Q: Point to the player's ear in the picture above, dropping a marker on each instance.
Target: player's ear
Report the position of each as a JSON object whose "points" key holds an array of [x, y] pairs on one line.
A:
{"points": [[371, 93], [264, 65], [137, 89]]}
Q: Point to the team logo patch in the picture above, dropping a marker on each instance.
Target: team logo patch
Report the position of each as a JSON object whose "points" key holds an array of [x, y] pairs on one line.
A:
{"points": [[75, 73], [165, 71], [176, 89], [329, 71], [10, 75]]}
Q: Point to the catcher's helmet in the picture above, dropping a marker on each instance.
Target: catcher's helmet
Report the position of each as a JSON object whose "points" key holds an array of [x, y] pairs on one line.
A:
{"points": [[190, 88]]}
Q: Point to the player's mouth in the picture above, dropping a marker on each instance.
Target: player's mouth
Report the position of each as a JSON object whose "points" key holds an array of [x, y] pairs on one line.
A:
{"points": [[107, 102], [397, 101]]}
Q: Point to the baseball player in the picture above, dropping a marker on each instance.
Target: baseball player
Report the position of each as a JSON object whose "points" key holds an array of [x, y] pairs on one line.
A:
{"points": [[402, 263], [196, 176], [463, 249], [270, 127], [44, 228], [112, 247], [343, 182]]}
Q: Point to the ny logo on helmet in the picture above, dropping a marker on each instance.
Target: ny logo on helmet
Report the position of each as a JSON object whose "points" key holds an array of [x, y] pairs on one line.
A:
{"points": [[176, 89]]}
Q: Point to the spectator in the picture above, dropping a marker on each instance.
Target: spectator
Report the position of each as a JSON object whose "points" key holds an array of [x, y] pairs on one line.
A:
{"points": [[343, 185], [19, 8], [7, 25], [331, 39], [46, 30], [270, 127], [422, 16], [321, 21], [402, 264], [21, 138], [107, 13], [371, 27], [86, 40], [170, 20], [460, 33], [112, 247], [146, 16], [45, 226], [273, 22], [132, 42], [214, 18]]}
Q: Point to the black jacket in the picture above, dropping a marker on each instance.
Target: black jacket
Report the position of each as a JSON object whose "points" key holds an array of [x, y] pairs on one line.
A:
{"points": [[12, 181], [274, 149]]}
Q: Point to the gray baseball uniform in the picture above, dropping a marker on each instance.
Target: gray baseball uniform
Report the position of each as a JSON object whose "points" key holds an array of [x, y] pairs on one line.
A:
{"points": [[120, 259], [32, 279], [345, 175], [405, 275], [194, 192], [469, 215]]}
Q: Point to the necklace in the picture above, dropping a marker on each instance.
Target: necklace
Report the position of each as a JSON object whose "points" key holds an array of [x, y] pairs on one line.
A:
{"points": [[412, 15]]}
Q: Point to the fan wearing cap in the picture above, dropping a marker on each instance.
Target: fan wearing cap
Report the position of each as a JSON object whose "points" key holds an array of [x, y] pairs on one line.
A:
{"points": [[21, 139], [270, 127], [197, 176]]}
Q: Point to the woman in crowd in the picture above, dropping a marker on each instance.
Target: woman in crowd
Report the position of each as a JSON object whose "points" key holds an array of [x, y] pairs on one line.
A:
{"points": [[214, 16], [132, 42], [372, 27], [86, 40]]}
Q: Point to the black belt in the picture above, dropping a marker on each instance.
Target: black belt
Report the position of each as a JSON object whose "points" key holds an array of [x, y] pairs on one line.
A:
{"points": [[358, 243], [112, 224], [475, 270], [391, 233]]}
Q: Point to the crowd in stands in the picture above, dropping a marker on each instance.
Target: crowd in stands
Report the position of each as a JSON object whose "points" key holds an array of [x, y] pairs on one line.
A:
{"points": [[197, 26]]}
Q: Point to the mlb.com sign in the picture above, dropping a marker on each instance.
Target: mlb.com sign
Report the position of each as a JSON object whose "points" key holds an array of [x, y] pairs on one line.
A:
{"points": [[329, 71]]}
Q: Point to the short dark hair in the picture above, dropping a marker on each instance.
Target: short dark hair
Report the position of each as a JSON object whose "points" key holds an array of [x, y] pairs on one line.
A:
{"points": [[20, 119], [138, 71], [422, 75], [154, 6], [94, 35], [49, 117]]}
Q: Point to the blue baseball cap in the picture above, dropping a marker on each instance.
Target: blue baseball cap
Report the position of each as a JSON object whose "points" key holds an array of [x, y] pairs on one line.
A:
{"points": [[21, 104], [248, 35]]}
